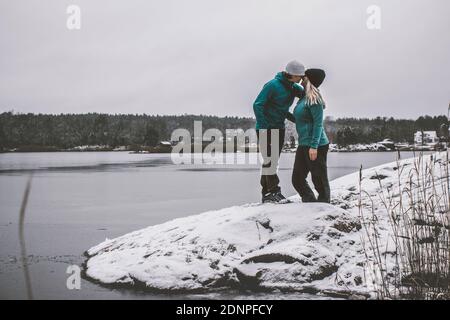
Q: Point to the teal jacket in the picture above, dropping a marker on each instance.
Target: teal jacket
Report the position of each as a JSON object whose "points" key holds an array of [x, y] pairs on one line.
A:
{"points": [[309, 124], [272, 105]]}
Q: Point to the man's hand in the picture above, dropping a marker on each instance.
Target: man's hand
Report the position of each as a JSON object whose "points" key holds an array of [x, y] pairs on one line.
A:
{"points": [[312, 154]]}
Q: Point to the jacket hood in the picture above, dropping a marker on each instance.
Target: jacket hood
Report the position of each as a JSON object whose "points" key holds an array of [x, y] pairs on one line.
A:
{"points": [[281, 77]]}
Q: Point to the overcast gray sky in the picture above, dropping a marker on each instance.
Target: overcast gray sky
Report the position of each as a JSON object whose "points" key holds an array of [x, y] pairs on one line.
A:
{"points": [[213, 57]]}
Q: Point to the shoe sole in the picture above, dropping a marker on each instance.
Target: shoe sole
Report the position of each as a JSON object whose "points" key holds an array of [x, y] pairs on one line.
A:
{"points": [[278, 202]]}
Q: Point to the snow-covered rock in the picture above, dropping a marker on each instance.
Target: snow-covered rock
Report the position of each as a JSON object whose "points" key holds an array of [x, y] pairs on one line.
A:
{"points": [[311, 247], [255, 246]]}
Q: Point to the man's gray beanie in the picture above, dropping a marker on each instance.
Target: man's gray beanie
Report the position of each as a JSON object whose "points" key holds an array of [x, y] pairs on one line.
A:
{"points": [[295, 68]]}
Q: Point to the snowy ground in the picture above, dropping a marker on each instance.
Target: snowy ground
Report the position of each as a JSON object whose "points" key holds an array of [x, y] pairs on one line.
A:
{"points": [[309, 247]]}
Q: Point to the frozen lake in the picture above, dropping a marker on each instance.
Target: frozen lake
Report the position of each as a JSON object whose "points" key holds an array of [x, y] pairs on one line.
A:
{"points": [[79, 199]]}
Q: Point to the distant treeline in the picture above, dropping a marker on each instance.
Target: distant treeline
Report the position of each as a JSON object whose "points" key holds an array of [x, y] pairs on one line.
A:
{"points": [[347, 131], [69, 130]]}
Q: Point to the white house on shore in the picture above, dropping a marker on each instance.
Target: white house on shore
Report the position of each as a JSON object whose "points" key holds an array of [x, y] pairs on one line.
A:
{"points": [[426, 138]]}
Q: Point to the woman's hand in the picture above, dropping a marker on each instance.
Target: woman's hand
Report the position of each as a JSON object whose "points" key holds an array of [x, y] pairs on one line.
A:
{"points": [[312, 154]]}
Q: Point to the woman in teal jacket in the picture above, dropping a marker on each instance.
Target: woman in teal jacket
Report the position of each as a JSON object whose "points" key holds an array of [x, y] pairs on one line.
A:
{"points": [[311, 155]]}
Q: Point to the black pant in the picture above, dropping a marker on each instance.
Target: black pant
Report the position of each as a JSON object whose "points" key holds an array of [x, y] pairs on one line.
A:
{"points": [[318, 168], [270, 183]]}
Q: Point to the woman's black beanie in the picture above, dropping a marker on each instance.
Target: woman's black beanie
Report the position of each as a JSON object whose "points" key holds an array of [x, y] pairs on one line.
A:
{"points": [[316, 76]]}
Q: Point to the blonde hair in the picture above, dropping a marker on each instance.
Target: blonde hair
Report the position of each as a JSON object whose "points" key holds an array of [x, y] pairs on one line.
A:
{"points": [[313, 95]]}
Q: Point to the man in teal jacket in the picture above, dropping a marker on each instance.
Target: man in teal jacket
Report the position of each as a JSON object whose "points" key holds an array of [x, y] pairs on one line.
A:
{"points": [[271, 109]]}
